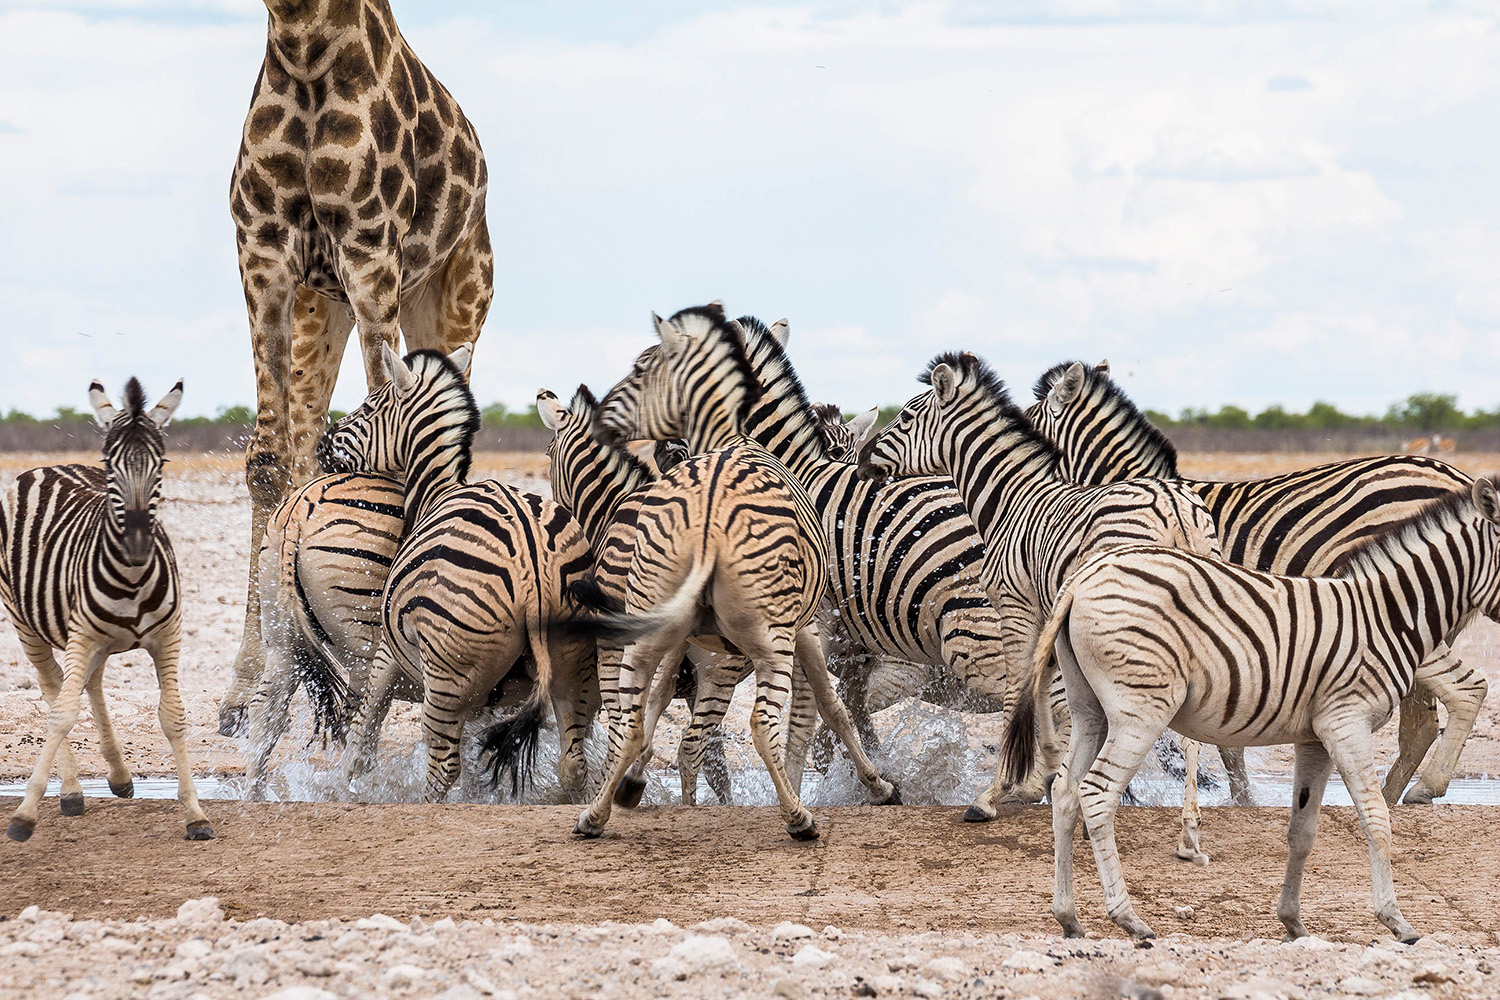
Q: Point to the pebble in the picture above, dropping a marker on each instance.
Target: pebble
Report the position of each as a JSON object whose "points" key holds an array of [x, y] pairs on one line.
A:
{"points": [[402, 976], [810, 956], [789, 988], [1028, 961], [661, 925], [697, 954], [302, 993], [512, 948], [29, 949], [1183, 912], [194, 948], [886, 984], [1361, 987], [832, 933], [788, 931], [202, 912], [946, 968], [1157, 973], [378, 922], [722, 925], [927, 988]]}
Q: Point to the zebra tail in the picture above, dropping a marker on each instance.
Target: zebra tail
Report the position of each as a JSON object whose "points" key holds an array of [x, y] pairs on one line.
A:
{"points": [[313, 658], [628, 626], [510, 746], [1026, 727]]}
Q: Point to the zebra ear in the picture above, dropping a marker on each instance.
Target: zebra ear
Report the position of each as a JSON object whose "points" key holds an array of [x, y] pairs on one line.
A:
{"points": [[161, 413], [1102, 368], [944, 382], [862, 426], [1065, 389], [716, 308], [1487, 500], [671, 337], [781, 331], [463, 359], [395, 369], [549, 409], [104, 411]]}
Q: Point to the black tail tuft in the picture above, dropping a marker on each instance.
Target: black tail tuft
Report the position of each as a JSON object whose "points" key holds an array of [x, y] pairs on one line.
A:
{"points": [[511, 746], [327, 687], [1018, 744], [587, 592]]}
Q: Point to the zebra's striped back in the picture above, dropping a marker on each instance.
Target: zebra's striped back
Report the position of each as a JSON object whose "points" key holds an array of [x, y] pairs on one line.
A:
{"points": [[1299, 523]]}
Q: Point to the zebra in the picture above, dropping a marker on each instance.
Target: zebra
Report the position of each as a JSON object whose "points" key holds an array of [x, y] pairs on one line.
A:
{"points": [[480, 573], [842, 439], [904, 579], [86, 567], [1298, 524], [596, 482], [1037, 525], [727, 545], [1150, 636]]}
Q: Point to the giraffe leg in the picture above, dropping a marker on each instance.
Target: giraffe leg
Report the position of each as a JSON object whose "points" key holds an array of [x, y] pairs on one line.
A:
{"points": [[271, 297], [320, 332], [50, 677], [1309, 778], [450, 310]]}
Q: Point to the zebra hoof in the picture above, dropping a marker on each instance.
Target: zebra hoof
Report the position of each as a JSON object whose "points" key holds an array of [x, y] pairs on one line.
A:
{"points": [[630, 791], [72, 804], [124, 790], [231, 720], [20, 830], [199, 829], [1418, 796], [809, 831], [587, 828], [974, 814]]}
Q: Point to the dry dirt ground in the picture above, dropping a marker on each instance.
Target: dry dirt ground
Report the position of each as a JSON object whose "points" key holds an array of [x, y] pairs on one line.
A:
{"points": [[486, 900]]}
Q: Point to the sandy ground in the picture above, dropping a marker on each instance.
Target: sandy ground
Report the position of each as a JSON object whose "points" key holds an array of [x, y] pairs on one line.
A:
{"points": [[908, 886]]}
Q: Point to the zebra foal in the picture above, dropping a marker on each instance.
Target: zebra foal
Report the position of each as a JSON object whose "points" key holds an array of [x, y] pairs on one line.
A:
{"points": [[86, 567], [1149, 637]]}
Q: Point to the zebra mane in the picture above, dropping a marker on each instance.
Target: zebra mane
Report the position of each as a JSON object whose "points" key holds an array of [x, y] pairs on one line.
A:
{"points": [[450, 380], [1117, 408], [733, 336], [1388, 546], [1012, 417], [135, 397], [620, 465], [784, 403], [133, 424]]}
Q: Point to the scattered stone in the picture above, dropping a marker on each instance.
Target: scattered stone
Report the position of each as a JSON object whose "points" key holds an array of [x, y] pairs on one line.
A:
{"points": [[927, 988], [661, 925], [445, 924], [512, 948], [202, 912], [28, 949], [789, 988], [1184, 913], [788, 931], [458, 991], [378, 922], [946, 969], [402, 976], [1433, 974], [480, 983], [810, 956], [832, 933], [1028, 961], [31, 914], [194, 948], [1157, 973], [886, 985], [1313, 943], [695, 955], [904, 962], [722, 925], [1361, 987]]}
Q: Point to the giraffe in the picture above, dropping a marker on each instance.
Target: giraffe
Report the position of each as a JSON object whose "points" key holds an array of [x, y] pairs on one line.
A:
{"points": [[358, 202]]}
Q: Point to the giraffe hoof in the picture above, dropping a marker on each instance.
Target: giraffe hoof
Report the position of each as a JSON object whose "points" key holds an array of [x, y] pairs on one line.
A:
{"points": [[974, 814], [630, 791], [809, 831], [199, 829], [231, 720], [124, 790], [587, 828], [72, 804], [893, 799], [20, 830]]}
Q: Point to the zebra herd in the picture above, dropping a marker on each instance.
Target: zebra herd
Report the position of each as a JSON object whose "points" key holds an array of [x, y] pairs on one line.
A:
{"points": [[1049, 563]]}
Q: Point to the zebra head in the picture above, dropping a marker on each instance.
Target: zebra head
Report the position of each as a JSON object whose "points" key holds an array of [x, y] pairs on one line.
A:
{"points": [[134, 452], [697, 384], [910, 444], [842, 441], [424, 407], [1097, 429], [1486, 501]]}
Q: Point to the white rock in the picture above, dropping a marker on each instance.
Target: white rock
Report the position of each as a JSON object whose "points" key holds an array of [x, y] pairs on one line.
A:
{"points": [[661, 925], [445, 924], [31, 914], [697, 954], [512, 948], [1361, 987], [810, 956], [832, 933], [788, 931], [459, 991], [1313, 943], [722, 925], [480, 983], [378, 922], [302, 993], [946, 969], [1028, 961], [347, 941], [1159, 973], [886, 983], [194, 948], [1183, 912], [902, 962], [927, 988], [401, 976], [28, 949], [789, 988], [202, 912]]}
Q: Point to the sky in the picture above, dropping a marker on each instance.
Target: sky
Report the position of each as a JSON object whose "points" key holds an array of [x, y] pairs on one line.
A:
{"points": [[1257, 202]]}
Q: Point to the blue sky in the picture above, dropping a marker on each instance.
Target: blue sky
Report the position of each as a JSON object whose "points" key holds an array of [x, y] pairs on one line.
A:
{"points": [[1234, 202]]}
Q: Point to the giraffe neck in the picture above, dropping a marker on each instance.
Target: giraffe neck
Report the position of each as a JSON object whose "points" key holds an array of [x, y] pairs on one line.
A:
{"points": [[306, 41]]}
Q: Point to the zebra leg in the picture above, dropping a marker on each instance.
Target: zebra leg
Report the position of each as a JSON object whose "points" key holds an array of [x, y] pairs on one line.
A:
{"points": [[269, 718], [1187, 848], [716, 684], [50, 677], [1083, 746], [1462, 691], [369, 718], [663, 685], [1417, 731], [1233, 759], [774, 664], [853, 691], [1310, 772], [809, 655], [120, 782], [574, 704], [627, 734], [610, 655], [442, 731], [164, 647], [1129, 740], [1348, 742], [80, 659], [802, 719]]}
